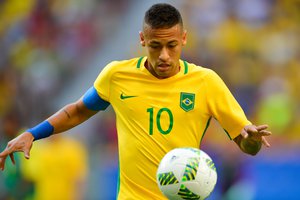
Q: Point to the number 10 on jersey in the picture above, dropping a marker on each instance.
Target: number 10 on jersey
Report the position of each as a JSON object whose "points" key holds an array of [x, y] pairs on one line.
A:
{"points": [[155, 115]]}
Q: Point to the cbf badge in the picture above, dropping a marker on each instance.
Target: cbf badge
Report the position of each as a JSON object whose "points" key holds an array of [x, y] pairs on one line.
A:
{"points": [[187, 101]]}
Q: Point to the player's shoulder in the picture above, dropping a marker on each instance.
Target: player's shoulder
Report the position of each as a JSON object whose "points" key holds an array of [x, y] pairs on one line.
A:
{"points": [[121, 64]]}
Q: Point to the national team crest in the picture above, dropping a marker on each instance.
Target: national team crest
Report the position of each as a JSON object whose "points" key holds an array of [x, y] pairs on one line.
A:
{"points": [[187, 101]]}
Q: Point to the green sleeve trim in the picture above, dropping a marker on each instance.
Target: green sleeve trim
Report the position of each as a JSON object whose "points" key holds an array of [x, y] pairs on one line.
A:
{"points": [[118, 183], [206, 127], [186, 69], [139, 62], [227, 134]]}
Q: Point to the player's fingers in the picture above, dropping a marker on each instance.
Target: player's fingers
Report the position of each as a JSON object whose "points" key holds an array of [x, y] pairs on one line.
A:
{"points": [[244, 133], [250, 129], [27, 153], [12, 158], [5, 153], [265, 133], [265, 142], [262, 127], [2, 162]]}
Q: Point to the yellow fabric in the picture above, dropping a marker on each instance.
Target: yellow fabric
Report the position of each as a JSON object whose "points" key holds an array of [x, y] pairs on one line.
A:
{"points": [[142, 147], [56, 166]]}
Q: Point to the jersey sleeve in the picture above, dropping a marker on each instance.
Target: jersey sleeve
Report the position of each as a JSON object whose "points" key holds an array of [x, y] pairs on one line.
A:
{"points": [[93, 101], [224, 107], [103, 82]]}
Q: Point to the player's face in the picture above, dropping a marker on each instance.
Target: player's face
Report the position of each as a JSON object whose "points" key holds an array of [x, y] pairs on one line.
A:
{"points": [[164, 47]]}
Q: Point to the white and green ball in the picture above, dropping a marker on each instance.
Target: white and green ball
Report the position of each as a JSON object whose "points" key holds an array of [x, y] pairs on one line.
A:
{"points": [[186, 173]]}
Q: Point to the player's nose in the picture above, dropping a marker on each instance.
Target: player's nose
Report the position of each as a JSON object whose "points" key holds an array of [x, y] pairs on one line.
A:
{"points": [[164, 55]]}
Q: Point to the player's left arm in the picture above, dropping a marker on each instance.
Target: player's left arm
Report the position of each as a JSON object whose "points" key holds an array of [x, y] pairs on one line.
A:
{"points": [[252, 138]]}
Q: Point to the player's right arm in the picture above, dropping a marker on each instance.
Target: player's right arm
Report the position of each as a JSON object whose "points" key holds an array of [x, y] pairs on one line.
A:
{"points": [[70, 116], [66, 118]]}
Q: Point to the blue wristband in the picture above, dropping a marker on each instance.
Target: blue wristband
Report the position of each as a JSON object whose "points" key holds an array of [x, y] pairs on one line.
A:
{"points": [[42, 130]]}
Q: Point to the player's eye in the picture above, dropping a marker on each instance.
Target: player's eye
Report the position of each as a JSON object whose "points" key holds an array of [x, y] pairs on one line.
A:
{"points": [[154, 46], [172, 45]]}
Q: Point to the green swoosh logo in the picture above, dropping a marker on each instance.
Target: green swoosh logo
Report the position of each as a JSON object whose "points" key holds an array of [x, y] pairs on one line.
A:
{"points": [[122, 96]]}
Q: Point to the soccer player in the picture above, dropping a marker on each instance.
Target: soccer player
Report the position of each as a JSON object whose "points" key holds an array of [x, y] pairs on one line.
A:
{"points": [[161, 102]]}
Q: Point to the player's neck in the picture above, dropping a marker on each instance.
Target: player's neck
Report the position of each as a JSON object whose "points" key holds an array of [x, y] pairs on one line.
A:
{"points": [[152, 71]]}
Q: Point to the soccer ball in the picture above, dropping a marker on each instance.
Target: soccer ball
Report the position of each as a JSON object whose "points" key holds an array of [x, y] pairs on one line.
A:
{"points": [[186, 173]]}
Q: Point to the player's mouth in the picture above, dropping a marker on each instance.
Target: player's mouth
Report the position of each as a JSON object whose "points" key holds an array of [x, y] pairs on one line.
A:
{"points": [[163, 67]]}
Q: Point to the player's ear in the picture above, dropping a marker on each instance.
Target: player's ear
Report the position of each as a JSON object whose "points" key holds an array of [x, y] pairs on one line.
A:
{"points": [[184, 39], [142, 38]]}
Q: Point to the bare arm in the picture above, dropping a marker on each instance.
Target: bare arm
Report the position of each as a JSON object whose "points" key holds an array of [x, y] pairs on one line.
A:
{"points": [[252, 137], [66, 118], [70, 116]]}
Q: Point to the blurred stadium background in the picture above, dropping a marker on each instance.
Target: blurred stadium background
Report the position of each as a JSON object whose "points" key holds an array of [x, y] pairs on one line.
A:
{"points": [[52, 51]]}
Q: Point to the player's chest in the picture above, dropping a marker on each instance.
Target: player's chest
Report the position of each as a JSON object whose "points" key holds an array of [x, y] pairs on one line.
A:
{"points": [[137, 97]]}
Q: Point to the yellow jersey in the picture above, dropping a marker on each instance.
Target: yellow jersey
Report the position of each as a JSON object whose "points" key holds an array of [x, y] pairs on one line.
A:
{"points": [[154, 116]]}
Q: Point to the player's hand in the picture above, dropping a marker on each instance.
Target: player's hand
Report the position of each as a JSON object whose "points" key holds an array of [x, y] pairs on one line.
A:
{"points": [[256, 133], [22, 143]]}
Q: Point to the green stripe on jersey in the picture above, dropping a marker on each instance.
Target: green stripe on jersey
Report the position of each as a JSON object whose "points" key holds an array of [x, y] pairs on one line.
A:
{"points": [[227, 133], [207, 125], [139, 62], [119, 181], [186, 69]]}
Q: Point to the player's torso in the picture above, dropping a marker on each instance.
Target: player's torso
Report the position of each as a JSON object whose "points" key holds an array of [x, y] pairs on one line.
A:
{"points": [[155, 116]]}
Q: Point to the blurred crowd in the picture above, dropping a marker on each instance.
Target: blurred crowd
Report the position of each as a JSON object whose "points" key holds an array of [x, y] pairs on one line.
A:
{"points": [[252, 44], [44, 43]]}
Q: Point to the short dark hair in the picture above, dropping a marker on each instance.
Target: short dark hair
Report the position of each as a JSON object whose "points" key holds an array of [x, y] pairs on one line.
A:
{"points": [[162, 15]]}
